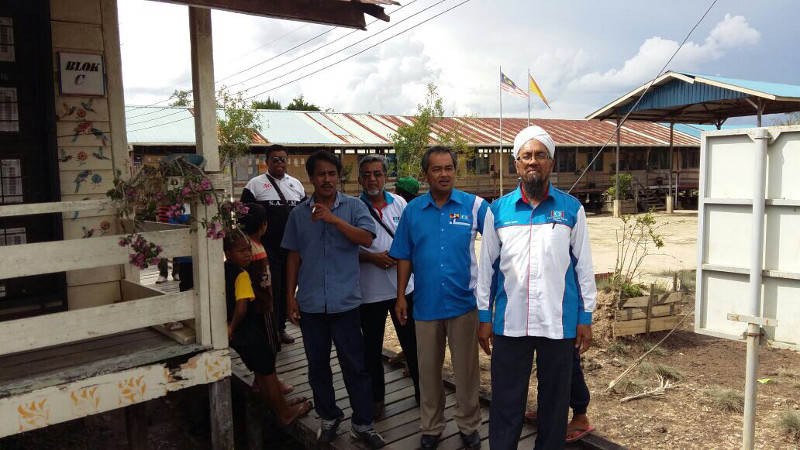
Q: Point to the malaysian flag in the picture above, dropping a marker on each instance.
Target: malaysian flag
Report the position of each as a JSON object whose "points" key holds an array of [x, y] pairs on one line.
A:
{"points": [[509, 86]]}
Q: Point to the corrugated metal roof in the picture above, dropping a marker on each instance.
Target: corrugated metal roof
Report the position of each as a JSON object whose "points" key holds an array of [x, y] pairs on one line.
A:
{"points": [[174, 125], [683, 97]]}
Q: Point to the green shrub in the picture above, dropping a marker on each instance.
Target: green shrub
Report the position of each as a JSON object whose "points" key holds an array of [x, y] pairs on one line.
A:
{"points": [[790, 423], [726, 399]]}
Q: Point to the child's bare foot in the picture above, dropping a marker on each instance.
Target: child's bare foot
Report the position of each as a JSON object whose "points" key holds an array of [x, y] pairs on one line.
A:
{"points": [[294, 412], [286, 389]]}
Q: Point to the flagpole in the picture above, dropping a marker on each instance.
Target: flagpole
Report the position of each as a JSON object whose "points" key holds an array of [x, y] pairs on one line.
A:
{"points": [[500, 165], [529, 96]]}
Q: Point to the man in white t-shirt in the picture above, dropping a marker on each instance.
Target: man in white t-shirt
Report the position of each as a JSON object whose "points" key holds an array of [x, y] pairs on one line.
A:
{"points": [[278, 192], [378, 278]]}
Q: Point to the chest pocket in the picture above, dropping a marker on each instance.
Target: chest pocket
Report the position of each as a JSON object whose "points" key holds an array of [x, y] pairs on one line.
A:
{"points": [[555, 245]]}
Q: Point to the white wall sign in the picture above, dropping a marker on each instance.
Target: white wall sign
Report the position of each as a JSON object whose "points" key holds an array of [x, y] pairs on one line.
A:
{"points": [[726, 231], [81, 74]]}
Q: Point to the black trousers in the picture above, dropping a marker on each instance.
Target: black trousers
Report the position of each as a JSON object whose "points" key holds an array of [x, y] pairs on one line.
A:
{"points": [[512, 360], [373, 326], [277, 267], [319, 329], [579, 394]]}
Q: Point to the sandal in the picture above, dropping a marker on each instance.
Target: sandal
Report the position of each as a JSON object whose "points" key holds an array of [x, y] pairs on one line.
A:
{"points": [[582, 433]]}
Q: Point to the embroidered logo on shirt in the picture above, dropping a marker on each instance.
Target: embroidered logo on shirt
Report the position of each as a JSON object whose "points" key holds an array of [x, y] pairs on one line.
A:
{"points": [[396, 219], [267, 185], [460, 219], [557, 216]]}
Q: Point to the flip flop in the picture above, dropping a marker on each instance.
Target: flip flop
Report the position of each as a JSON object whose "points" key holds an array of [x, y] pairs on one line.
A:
{"points": [[531, 417], [583, 433], [289, 427]]}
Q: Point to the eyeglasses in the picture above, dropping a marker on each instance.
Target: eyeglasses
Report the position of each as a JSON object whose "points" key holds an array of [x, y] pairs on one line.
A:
{"points": [[376, 174], [276, 159], [538, 156]]}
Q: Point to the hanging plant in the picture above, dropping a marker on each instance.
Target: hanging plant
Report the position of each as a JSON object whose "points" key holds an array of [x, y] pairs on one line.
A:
{"points": [[171, 184]]}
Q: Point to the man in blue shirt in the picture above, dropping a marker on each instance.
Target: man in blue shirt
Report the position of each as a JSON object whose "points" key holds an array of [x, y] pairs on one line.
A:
{"points": [[323, 235], [436, 240]]}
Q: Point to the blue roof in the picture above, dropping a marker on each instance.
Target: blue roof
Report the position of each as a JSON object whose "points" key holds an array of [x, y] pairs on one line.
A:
{"points": [[685, 97], [696, 130], [776, 89]]}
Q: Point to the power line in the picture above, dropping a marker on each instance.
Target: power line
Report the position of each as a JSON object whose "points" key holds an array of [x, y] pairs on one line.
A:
{"points": [[324, 57], [321, 69], [272, 58], [359, 52], [625, 118], [333, 42], [234, 59]]}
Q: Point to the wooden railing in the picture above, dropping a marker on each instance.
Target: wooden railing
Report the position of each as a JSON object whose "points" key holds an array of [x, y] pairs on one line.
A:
{"points": [[205, 303]]}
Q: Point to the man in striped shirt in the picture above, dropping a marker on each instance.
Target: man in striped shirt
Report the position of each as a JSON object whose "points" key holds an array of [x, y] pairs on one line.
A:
{"points": [[536, 247]]}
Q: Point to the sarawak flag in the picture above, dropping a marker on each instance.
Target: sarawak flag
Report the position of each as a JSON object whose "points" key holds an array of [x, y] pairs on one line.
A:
{"points": [[509, 86], [533, 87]]}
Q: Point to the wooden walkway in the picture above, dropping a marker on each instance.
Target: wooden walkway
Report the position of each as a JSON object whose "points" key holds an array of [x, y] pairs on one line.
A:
{"points": [[400, 422]]}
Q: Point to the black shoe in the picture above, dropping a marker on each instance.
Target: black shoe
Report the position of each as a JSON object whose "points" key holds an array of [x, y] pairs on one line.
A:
{"points": [[328, 429], [428, 441], [370, 438], [285, 338], [471, 441]]}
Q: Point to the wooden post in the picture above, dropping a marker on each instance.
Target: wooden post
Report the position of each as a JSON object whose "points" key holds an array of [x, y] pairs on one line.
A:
{"points": [[205, 103], [221, 414], [136, 426], [254, 418], [650, 302], [675, 282]]}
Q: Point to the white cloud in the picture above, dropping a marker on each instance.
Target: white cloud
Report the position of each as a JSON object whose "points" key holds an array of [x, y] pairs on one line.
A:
{"points": [[730, 33]]}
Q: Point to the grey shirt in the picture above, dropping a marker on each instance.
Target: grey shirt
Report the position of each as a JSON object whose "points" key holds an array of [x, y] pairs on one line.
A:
{"points": [[329, 271]]}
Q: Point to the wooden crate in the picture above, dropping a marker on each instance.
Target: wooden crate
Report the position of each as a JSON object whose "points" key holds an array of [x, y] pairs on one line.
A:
{"points": [[646, 314]]}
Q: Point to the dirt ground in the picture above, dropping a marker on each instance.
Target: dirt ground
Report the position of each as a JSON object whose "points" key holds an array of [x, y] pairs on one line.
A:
{"points": [[687, 415]]}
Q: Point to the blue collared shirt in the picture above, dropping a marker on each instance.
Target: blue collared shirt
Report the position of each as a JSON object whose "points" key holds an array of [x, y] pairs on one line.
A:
{"points": [[329, 269], [440, 243]]}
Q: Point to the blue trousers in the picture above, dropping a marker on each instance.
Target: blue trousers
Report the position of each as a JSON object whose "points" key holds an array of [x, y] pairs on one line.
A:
{"points": [[344, 329], [512, 361]]}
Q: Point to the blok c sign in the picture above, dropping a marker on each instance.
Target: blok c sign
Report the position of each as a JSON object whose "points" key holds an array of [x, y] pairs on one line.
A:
{"points": [[81, 74]]}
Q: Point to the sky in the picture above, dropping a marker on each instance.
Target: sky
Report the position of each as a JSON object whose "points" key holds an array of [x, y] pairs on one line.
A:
{"points": [[583, 54]]}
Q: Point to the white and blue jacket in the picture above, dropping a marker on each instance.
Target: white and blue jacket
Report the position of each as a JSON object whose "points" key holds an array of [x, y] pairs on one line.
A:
{"points": [[540, 263]]}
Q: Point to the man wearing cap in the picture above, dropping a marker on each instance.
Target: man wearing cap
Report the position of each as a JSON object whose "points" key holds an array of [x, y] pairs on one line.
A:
{"points": [[536, 240], [407, 187]]}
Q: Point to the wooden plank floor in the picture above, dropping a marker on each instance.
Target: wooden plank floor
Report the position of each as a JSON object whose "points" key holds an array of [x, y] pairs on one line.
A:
{"points": [[400, 422]]}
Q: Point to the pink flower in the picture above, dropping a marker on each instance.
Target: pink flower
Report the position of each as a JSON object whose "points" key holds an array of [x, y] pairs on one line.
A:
{"points": [[186, 192], [205, 184], [159, 196], [209, 199], [123, 242]]}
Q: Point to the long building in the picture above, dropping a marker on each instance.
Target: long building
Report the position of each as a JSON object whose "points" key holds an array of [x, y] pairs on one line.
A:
{"points": [[157, 131]]}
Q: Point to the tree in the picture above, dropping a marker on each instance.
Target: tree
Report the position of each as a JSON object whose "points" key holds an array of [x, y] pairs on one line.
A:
{"points": [[411, 141], [182, 98], [269, 103], [236, 128], [792, 118], [299, 104]]}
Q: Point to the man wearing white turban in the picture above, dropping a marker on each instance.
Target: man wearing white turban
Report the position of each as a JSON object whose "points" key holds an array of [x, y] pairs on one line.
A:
{"points": [[536, 249]]}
